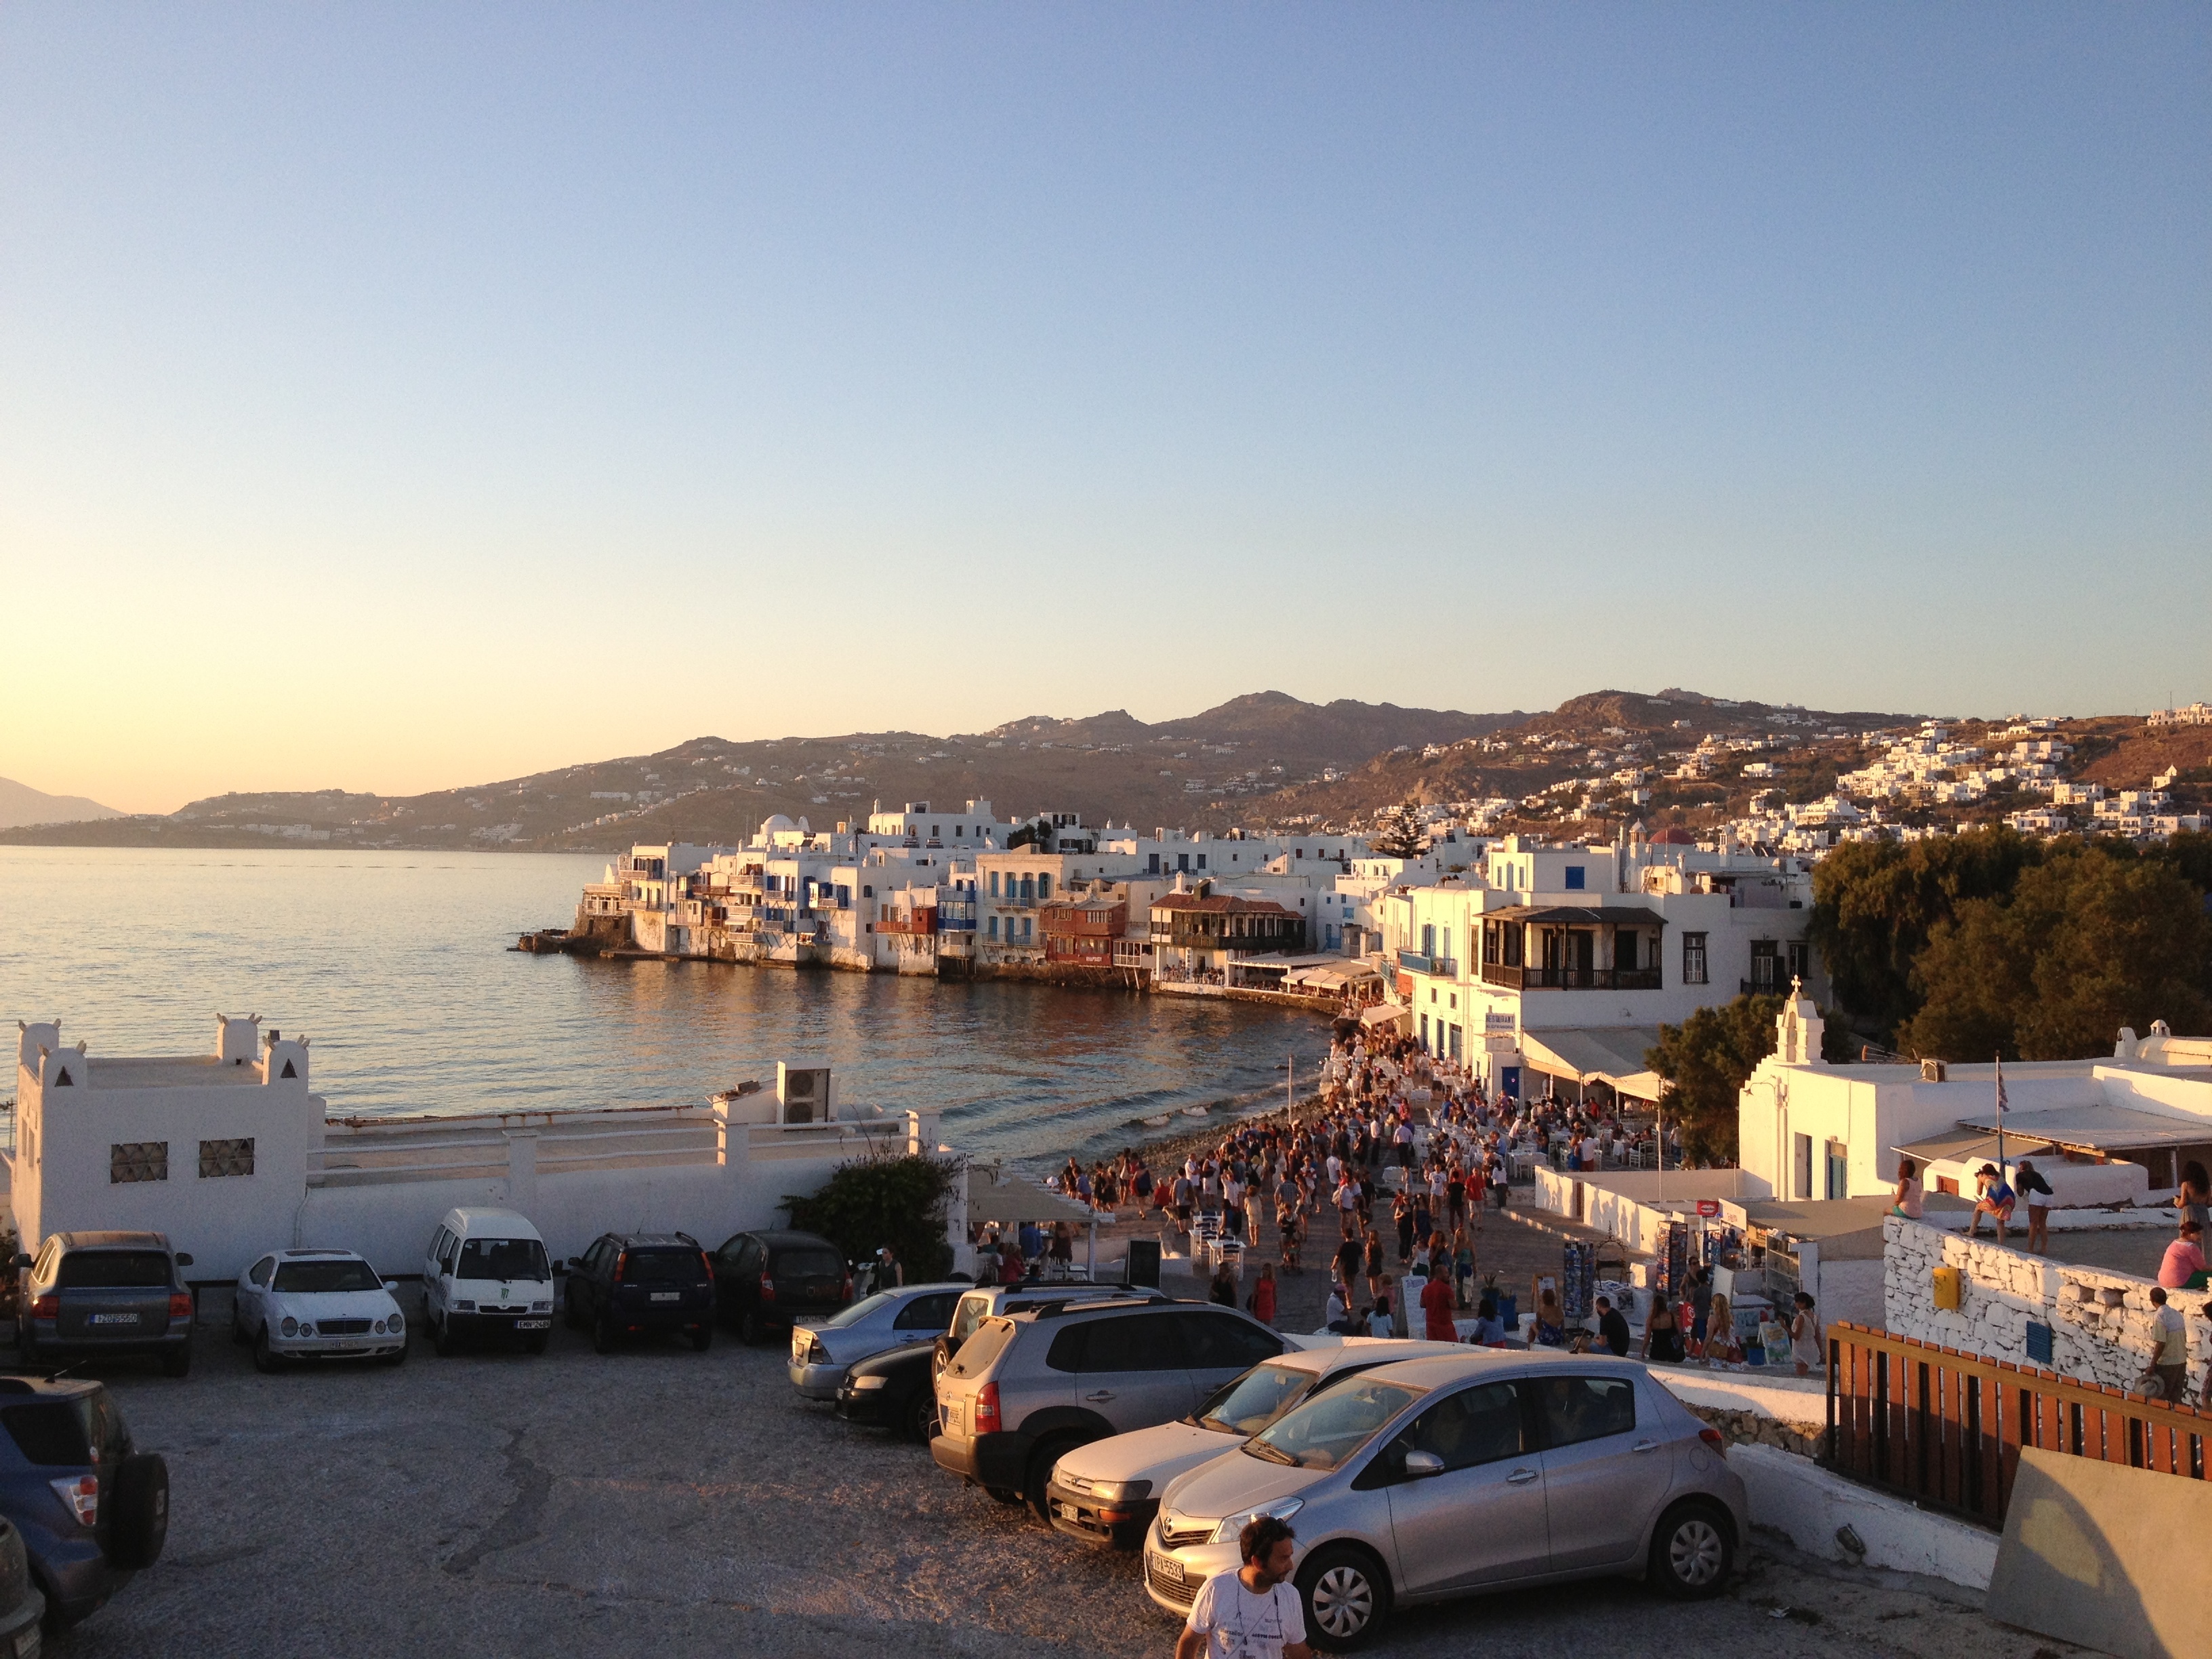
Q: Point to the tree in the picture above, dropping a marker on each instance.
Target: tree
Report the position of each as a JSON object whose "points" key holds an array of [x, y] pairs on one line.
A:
{"points": [[1876, 905], [2089, 940], [884, 1199], [1706, 1060], [1398, 833]]}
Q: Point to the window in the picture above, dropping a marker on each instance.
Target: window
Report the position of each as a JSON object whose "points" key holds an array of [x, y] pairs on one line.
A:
{"points": [[1428, 939], [990, 927], [1840, 1170], [1575, 873], [1803, 1160], [1025, 929], [1693, 959], [1224, 1342], [1623, 950], [867, 892], [1124, 1342], [994, 883], [927, 1313], [1766, 965], [327, 1275], [1201, 861], [137, 1160], [504, 1258], [262, 1269], [1573, 1409], [1044, 887], [1152, 864], [226, 1158], [1182, 861], [1800, 958], [1475, 1427]]}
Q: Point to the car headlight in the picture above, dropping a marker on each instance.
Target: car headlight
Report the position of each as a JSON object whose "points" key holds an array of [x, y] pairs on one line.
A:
{"points": [[1121, 1491], [380, 1328], [290, 1328], [396, 1324], [863, 1382], [1233, 1524]]}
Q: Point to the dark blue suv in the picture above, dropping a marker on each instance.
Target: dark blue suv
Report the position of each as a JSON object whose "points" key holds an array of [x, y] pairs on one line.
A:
{"points": [[91, 1510], [641, 1283]]}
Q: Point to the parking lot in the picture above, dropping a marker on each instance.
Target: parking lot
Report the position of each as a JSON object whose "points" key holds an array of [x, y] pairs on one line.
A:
{"points": [[661, 1502]]}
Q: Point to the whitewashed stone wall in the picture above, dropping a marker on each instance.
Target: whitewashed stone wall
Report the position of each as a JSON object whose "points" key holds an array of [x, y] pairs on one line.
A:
{"points": [[2100, 1322]]}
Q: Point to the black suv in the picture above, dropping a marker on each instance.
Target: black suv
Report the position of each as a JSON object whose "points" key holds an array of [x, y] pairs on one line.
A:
{"points": [[764, 1280], [91, 1511], [90, 1295], [641, 1283]]}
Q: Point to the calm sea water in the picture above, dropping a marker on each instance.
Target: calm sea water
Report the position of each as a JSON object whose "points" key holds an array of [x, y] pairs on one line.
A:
{"points": [[395, 964]]}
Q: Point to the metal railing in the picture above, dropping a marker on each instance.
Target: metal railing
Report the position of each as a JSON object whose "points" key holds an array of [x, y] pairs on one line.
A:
{"points": [[1946, 1428], [1417, 962], [1571, 979]]}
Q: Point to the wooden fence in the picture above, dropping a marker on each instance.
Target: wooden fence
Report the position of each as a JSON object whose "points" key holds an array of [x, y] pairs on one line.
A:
{"points": [[1946, 1428]]}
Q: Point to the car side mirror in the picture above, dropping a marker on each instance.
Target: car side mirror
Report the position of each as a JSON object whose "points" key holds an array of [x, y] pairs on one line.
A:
{"points": [[184, 1259], [23, 1263], [391, 1285], [1420, 1465], [574, 1263]]}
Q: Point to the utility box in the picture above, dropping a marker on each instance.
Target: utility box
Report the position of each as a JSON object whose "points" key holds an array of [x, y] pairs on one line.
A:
{"points": [[1950, 1289]]}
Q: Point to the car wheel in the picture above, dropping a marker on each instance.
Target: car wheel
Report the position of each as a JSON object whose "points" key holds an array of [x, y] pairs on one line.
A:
{"points": [[178, 1361], [751, 1330], [1040, 1471], [1691, 1552], [1345, 1596], [921, 1417], [1005, 1494], [443, 1340], [266, 1360], [602, 1335], [702, 1338], [534, 1344]]}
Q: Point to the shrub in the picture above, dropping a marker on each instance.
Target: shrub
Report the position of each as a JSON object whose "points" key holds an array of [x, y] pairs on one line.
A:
{"points": [[885, 1199]]}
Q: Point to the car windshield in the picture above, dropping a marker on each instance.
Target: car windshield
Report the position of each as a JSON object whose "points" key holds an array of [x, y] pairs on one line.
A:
{"points": [[64, 1433], [977, 1352], [1256, 1399], [664, 1267], [862, 1309], [111, 1270], [973, 1311], [807, 1264], [315, 1276], [503, 1258], [1324, 1431]]}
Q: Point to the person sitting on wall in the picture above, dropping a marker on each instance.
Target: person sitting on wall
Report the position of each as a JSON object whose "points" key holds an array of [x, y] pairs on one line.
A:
{"points": [[1996, 1200], [2182, 1267]]}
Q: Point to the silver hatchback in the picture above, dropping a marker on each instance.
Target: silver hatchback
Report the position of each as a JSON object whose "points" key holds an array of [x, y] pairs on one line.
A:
{"points": [[1431, 1479]]}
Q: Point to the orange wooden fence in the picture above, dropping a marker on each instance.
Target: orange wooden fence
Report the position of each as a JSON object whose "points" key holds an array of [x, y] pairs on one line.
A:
{"points": [[1946, 1427]]}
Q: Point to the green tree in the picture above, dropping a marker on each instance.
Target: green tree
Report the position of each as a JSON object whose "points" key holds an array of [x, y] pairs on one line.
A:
{"points": [[2089, 940], [899, 1200], [1398, 833], [1706, 1060], [1876, 904]]}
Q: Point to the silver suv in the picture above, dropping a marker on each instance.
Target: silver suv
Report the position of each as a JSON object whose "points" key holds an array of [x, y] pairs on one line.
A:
{"points": [[1027, 1387]]}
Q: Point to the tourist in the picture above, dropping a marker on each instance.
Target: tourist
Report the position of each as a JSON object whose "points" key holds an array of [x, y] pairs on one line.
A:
{"points": [[1908, 1199], [1995, 1201], [2030, 1185], [1261, 1302], [1436, 1303], [890, 1273], [1805, 1337], [1718, 1345], [1611, 1327], [1350, 1254], [1663, 1332], [1011, 1266], [1701, 1298], [1379, 1319], [1401, 1212], [1463, 1266], [1376, 1277], [2184, 1261], [1548, 1328], [2169, 1359], [1224, 1286], [987, 1259], [2193, 1197], [1251, 1612], [1489, 1330], [1337, 1316]]}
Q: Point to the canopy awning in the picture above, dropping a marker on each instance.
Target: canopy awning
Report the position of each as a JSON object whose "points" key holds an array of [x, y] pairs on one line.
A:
{"points": [[1579, 915], [1596, 1053], [1386, 1013], [2097, 1128], [1010, 1200]]}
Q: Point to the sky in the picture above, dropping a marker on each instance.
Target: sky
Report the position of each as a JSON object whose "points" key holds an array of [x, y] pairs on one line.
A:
{"points": [[402, 396]]}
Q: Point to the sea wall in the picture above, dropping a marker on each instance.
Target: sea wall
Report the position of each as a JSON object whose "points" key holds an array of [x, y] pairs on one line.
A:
{"points": [[2100, 1321]]}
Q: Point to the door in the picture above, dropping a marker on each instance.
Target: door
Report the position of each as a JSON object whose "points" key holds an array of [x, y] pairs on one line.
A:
{"points": [[1581, 955], [1604, 1475], [1480, 1521], [434, 1269], [1220, 1347], [1132, 1371]]}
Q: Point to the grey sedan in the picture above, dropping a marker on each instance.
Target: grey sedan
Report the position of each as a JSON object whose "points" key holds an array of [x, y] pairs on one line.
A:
{"points": [[1431, 1479], [820, 1351]]}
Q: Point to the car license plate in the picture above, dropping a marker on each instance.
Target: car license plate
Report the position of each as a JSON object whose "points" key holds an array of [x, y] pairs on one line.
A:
{"points": [[667, 1295], [533, 1324], [114, 1319], [1165, 1568], [952, 1414]]}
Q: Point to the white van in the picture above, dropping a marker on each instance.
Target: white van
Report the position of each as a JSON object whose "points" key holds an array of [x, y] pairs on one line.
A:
{"points": [[487, 1270]]}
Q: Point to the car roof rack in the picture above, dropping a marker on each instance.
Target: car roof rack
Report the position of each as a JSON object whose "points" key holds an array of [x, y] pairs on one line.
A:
{"points": [[1077, 1304]]}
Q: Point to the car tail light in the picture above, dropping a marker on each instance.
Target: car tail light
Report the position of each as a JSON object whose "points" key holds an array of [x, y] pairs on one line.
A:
{"points": [[1714, 1438], [82, 1493], [986, 1409], [768, 1288], [622, 1263], [706, 1269], [180, 1305], [48, 1306], [845, 1291]]}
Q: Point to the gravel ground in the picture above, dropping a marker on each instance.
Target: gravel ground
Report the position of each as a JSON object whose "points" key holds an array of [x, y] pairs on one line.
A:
{"points": [[658, 1501]]}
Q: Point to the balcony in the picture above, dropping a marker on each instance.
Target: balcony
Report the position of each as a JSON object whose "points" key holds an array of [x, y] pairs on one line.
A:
{"points": [[1414, 962], [1570, 979]]}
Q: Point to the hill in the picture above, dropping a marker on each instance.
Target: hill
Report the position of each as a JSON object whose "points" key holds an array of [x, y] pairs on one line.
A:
{"points": [[19, 805], [1198, 772]]}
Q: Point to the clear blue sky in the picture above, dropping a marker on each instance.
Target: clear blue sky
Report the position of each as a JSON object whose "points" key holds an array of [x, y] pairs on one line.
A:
{"points": [[406, 396]]}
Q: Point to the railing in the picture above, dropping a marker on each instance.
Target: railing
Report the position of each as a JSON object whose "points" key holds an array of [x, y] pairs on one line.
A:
{"points": [[1946, 1428], [1571, 979], [1414, 961]]}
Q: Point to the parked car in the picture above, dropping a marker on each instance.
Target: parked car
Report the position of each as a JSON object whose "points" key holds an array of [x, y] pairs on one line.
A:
{"points": [[22, 1604], [1107, 1491], [1029, 1387], [93, 1295], [980, 1304], [317, 1304], [769, 1281], [89, 1508], [821, 1350], [642, 1284], [486, 1272], [1429, 1478]]}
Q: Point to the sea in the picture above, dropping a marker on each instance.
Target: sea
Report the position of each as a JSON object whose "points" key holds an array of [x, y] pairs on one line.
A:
{"points": [[397, 967]]}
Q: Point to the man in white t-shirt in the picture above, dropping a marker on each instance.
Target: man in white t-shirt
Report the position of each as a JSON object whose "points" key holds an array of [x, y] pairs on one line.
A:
{"points": [[1253, 1612]]}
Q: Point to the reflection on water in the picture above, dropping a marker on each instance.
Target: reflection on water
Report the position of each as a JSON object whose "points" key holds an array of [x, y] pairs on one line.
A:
{"points": [[394, 964]]}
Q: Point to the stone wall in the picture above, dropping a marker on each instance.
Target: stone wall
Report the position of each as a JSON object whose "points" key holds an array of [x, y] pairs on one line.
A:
{"points": [[2100, 1321]]}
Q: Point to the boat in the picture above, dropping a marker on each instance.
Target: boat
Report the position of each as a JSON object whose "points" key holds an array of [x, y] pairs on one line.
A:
{"points": [[1159, 1122], [1196, 1111]]}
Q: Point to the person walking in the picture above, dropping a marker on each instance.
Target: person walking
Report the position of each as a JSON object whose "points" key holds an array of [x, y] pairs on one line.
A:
{"points": [[1261, 1305], [1252, 1610], [1805, 1337], [1437, 1307], [2169, 1360], [1224, 1286]]}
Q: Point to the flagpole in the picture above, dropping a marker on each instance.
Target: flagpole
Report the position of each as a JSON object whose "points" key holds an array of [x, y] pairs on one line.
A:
{"points": [[2001, 1106]]}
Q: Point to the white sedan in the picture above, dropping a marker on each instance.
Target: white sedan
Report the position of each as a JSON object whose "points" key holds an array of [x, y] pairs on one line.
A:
{"points": [[317, 1304]]}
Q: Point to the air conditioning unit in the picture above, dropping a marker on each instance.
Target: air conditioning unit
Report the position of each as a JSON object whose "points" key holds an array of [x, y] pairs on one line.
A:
{"points": [[803, 1095]]}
